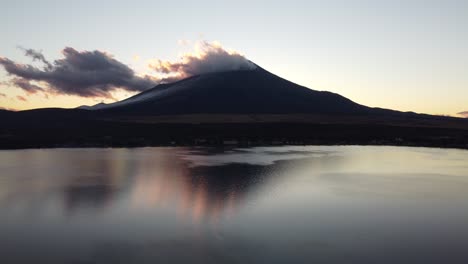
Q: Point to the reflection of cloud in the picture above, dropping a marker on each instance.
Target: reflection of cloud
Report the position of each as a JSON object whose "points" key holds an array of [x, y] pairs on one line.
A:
{"points": [[97, 181]]}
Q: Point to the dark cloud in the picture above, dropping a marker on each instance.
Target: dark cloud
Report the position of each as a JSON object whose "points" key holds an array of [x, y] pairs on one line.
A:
{"points": [[81, 73], [36, 55], [207, 58], [464, 114], [21, 98], [26, 85]]}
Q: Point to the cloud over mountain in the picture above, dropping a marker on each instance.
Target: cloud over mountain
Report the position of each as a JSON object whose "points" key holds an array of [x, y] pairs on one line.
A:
{"points": [[82, 73], [207, 58], [464, 114], [98, 74]]}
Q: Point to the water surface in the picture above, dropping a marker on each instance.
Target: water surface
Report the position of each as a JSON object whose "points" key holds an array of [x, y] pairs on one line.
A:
{"points": [[258, 205]]}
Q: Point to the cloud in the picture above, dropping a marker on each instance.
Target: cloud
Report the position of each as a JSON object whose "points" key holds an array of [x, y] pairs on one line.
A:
{"points": [[463, 114], [21, 98], [36, 55], [2, 95], [82, 73], [183, 42], [207, 58], [26, 85], [8, 109]]}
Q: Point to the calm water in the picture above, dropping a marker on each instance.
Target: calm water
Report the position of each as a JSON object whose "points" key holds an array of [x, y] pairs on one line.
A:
{"points": [[257, 205]]}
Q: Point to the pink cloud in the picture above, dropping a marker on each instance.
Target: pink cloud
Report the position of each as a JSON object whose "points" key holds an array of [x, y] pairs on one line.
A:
{"points": [[464, 114], [21, 98]]}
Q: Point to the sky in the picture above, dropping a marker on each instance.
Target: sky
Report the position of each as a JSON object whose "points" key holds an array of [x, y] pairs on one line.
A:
{"points": [[404, 55]]}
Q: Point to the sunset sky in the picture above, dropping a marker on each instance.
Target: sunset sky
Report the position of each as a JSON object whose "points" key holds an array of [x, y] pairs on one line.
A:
{"points": [[404, 55]]}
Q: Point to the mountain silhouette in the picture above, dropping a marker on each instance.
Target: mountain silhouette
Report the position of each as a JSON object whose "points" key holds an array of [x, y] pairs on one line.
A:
{"points": [[235, 92]]}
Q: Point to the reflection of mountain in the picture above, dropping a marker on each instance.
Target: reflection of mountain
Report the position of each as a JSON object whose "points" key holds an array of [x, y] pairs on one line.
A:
{"points": [[199, 185], [197, 193], [151, 179]]}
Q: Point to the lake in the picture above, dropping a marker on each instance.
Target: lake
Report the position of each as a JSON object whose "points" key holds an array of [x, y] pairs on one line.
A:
{"points": [[292, 204]]}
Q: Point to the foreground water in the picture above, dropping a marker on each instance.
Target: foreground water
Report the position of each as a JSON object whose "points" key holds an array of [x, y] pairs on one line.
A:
{"points": [[257, 205]]}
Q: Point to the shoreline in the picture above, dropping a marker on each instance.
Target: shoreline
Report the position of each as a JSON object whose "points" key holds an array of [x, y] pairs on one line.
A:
{"points": [[67, 132], [131, 146]]}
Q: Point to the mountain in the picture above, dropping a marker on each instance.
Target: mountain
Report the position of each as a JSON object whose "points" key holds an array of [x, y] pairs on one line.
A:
{"points": [[236, 92], [248, 107]]}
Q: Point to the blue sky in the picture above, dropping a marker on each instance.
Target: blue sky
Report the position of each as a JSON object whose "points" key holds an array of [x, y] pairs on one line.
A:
{"points": [[405, 55]]}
